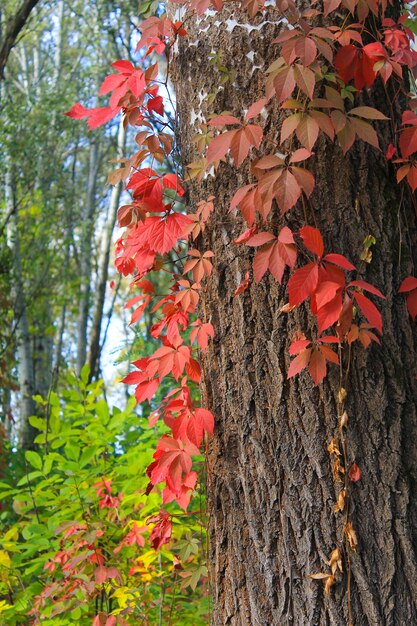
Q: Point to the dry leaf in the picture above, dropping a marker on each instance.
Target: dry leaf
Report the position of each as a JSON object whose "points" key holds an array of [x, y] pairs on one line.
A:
{"points": [[340, 504], [335, 562], [332, 447], [351, 536]]}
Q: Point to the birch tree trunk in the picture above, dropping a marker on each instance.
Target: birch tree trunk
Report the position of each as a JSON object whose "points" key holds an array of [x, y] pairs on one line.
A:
{"points": [[103, 268], [23, 338], [270, 489], [85, 255]]}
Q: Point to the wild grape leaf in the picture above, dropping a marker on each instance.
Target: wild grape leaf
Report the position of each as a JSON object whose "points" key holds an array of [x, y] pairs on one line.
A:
{"points": [[312, 240], [303, 283], [369, 310]]}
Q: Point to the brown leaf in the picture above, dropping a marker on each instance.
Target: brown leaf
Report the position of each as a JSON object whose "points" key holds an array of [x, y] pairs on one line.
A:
{"points": [[351, 536], [335, 562], [340, 504]]}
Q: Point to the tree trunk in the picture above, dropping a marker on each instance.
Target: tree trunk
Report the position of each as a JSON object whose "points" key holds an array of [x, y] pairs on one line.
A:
{"points": [[27, 406], [85, 255], [271, 493], [103, 266]]}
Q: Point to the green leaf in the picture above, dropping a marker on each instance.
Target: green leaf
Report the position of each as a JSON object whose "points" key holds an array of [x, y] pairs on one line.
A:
{"points": [[54, 422], [28, 477], [72, 452], [87, 455], [47, 465], [85, 373], [33, 458], [37, 422], [102, 410]]}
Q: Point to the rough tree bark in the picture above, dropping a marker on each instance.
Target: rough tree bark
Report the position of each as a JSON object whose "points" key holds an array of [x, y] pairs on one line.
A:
{"points": [[270, 488]]}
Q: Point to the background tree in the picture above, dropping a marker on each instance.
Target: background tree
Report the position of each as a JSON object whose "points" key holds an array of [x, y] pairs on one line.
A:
{"points": [[55, 204]]}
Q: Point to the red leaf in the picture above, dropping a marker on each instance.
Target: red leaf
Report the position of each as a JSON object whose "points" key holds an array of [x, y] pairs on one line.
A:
{"points": [[243, 286], [123, 66], [100, 116], [368, 113], [77, 112], [193, 370], [305, 79], [328, 314], [259, 239], [133, 378], [161, 532], [245, 236], [205, 419], [242, 141], [340, 260], [412, 303], [298, 345], [312, 240], [161, 235], [365, 131], [325, 292], [345, 61], [287, 191], [307, 132], [354, 473], [408, 284], [202, 332], [408, 141], [329, 354], [256, 108], [100, 574], [299, 363], [366, 287], [369, 310], [172, 181], [391, 151], [317, 366], [284, 83], [286, 236], [300, 155], [305, 179], [222, 120], [146, 390], [303, 283], [345, 318], [219, 146], [358, 63], [261, 262], [111, 82], [276, 262]]}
